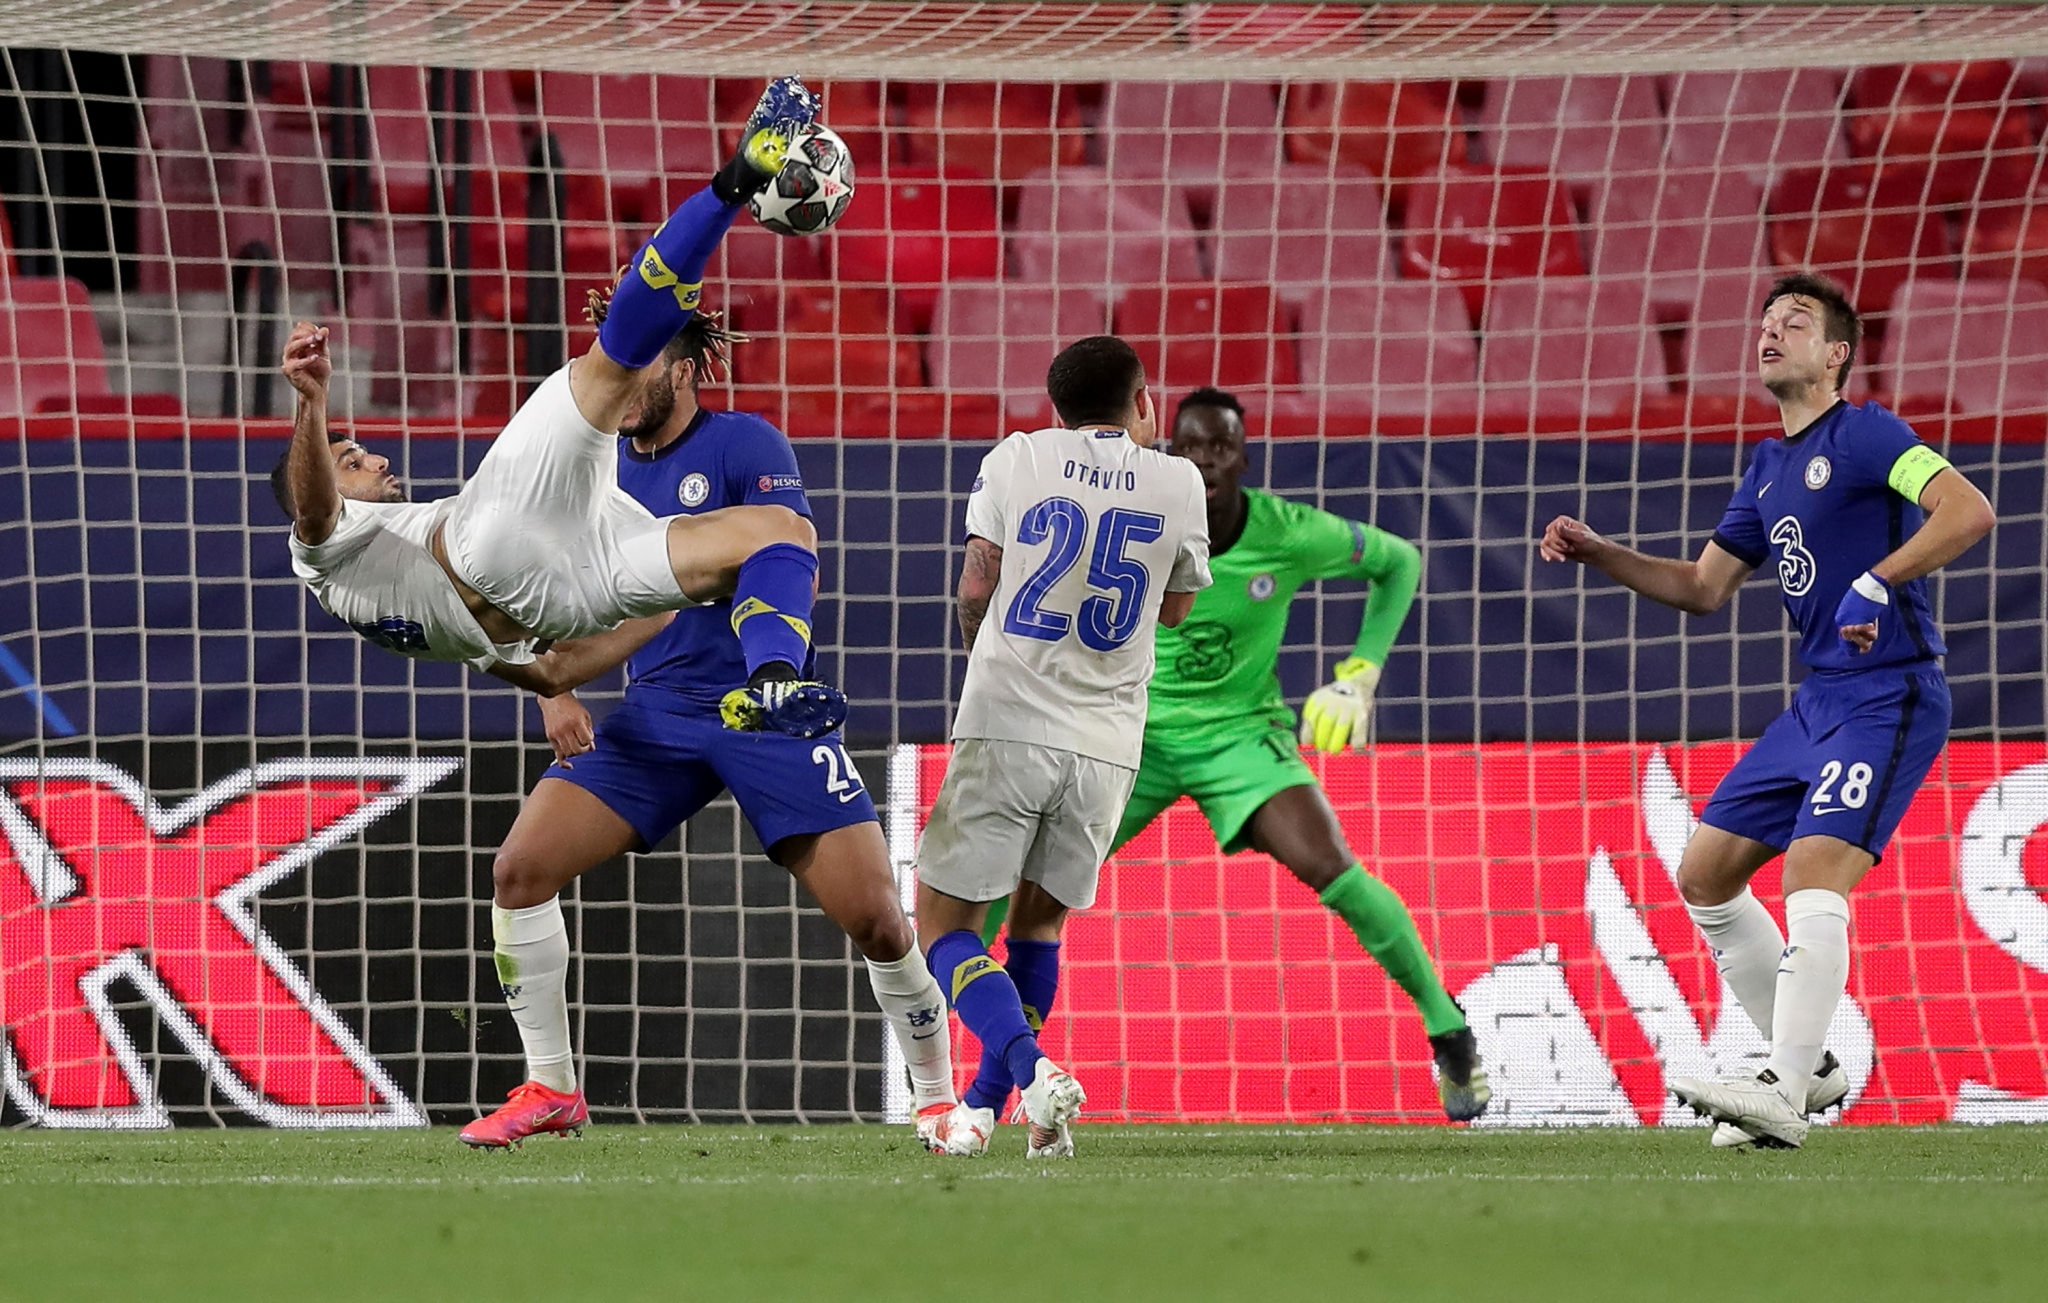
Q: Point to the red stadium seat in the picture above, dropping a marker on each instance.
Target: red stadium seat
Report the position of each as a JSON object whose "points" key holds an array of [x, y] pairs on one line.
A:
{"points": [[914, 234], [1004, 131], [998, 337], [1980, 345], [1473, 226], [180, 175], [1564, 344], [1864, 224], [50, 346], [608, 154], [1232, 336], [2008, 239], [1758, 119], [1309, 229], [1192, 132], [1395, 130], [1597, 132], [1953, 118], [1721, 333], [1078, 226], [1696, 226], [824, 344], [1396, 347]]}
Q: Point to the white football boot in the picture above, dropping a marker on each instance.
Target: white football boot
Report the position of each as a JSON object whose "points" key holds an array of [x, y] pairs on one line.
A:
{"points": [[1757, 1106], [1043, 1142], [956, 1130], [1051, 1101], [1830, 1087]]}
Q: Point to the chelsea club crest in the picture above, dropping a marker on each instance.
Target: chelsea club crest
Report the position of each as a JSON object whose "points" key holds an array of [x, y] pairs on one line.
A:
{"points": [[695, 488], [1260, 588], [1817, 472]]}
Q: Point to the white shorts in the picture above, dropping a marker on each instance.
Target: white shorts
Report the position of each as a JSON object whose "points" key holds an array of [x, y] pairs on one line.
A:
{"points": [[1013, 812], [546, 534]]}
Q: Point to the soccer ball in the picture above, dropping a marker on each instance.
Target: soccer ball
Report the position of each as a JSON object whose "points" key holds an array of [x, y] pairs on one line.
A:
{"points": [[814, 188]]}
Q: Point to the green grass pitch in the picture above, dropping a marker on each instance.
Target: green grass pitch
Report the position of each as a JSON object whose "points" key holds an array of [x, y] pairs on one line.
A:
{"points": [[1177, 1213]]}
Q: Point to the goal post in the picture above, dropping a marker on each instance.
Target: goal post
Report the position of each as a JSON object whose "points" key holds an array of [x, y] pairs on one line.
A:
{"points": [[1467, 267]]}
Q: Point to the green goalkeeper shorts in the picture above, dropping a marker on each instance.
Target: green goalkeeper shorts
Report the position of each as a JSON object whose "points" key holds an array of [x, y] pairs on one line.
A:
{"points": [[1229, 779]]}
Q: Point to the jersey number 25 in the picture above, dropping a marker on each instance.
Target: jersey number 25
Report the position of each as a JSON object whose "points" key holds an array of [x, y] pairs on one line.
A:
{"points": [[1105, 621]]}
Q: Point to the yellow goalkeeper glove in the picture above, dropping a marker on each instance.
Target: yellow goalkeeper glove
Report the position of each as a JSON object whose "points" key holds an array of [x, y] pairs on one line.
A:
{"points": [[1336, 715]]}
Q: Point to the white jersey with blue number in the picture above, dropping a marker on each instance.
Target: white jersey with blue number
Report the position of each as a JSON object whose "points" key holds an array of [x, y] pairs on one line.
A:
{"points": [[1095, 531]]}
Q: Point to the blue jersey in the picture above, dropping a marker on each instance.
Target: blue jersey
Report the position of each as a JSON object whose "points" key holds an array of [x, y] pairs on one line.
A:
{"points": [[723, 459], [1829, 503]]}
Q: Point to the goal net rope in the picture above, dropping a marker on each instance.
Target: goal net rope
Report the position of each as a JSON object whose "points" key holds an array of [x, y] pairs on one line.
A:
{"points": [[1467, 267]]}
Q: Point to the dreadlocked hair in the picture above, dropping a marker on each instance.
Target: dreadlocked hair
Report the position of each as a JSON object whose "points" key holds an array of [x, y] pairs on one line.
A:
{"points": [[705, 341]]}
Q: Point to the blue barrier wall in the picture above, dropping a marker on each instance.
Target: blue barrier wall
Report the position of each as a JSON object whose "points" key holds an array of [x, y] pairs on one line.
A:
{"points": [[161, 601]]}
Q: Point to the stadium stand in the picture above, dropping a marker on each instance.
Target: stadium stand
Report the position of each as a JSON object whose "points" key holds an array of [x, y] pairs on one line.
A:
{"points": [[448, 201]]}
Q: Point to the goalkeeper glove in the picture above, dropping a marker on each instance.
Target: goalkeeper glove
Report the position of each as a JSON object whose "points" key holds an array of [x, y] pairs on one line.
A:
{"points": [[1335, 715]]}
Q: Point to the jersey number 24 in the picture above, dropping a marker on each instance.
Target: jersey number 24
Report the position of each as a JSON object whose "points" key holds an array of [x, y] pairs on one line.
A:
{"points": [[1106, 620]]}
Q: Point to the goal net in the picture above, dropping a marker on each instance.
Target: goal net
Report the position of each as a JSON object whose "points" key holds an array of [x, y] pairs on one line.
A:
{"points": [[1466, 266]]}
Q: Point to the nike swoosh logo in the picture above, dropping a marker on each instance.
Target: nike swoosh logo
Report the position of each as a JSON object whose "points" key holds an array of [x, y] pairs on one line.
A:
{"points": [[844, 797], [547, 1117], [927, 1036], [1834, 809], [1766, 488]]}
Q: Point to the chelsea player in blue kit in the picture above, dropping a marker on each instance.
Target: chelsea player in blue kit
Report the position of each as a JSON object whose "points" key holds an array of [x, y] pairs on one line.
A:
{"points": [[1852, 511], [666, 753]]}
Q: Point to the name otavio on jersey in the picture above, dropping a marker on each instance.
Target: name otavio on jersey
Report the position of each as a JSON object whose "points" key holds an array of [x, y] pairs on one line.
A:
{"points": [[1097, 477]]}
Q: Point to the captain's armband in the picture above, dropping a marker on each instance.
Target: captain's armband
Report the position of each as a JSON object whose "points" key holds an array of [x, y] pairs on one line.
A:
{"points": [[1914, 468]]}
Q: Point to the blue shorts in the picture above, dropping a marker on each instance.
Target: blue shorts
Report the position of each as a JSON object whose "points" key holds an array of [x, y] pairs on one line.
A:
{"points": [[655, 767], [1844, 761]]}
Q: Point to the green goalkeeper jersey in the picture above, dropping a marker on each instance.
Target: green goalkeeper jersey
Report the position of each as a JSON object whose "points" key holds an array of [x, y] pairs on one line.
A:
{"points": [[1218, 672]]}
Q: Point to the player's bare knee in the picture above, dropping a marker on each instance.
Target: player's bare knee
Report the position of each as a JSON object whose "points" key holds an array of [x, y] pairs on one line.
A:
{"points": [[781, 525], [883, 936], [519, 881], [1318, 870], [1702, 882]]}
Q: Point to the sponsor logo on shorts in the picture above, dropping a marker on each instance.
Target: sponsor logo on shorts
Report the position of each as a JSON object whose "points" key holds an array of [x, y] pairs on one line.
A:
{"points": [[1261, 587], [695, 489], [976, 486], [779, 483], [1818, 472]]}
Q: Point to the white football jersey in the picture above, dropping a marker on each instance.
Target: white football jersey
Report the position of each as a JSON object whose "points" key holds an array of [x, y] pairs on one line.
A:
{"points": [[376, 573], [1095, 531]]}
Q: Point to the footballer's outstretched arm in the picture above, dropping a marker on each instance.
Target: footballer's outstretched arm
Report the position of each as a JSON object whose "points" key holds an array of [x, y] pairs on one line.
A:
{"points": [[978, 577], [1696, 587], [573, 662], [309, 467]]}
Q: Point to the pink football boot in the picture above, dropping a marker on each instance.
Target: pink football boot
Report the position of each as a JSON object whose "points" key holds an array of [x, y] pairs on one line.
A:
{"points": [[530, 1110]]}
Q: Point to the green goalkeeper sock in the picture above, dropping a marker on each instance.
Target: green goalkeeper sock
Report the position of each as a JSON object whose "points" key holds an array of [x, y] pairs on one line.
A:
{"points": [[1387, 931]]}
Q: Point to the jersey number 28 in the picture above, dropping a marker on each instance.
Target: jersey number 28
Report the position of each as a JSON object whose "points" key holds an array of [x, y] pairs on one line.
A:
{"points": [[1105, 621]]}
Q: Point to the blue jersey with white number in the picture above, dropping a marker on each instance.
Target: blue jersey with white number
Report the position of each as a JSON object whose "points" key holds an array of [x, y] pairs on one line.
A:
{"points": [[1827, 504], [723, 459]]}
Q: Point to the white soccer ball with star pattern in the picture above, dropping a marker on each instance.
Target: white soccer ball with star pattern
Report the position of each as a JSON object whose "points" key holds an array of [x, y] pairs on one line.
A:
{"points": [[814, 188]]}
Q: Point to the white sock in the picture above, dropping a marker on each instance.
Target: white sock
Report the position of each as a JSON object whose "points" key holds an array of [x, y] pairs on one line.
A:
{"points": [[1747, 945], [1811, 979], [915, 1009], [533, 969]]}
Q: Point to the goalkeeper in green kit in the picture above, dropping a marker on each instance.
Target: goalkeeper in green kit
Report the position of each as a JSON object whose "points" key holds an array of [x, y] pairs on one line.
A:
{"points": [[1219, 730]]}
